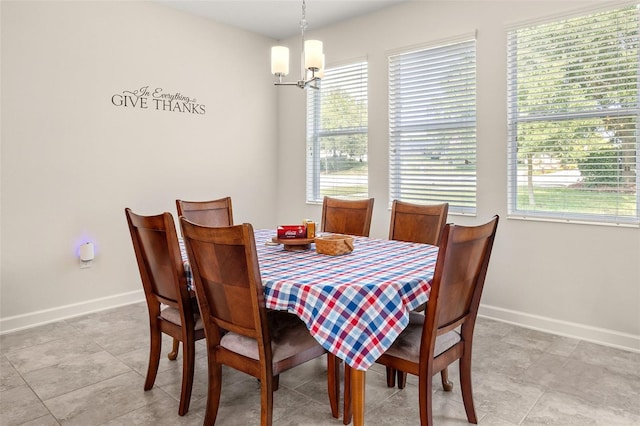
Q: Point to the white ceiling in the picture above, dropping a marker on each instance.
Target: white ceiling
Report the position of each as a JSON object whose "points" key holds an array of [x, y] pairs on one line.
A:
{"points": [[278, 19]]}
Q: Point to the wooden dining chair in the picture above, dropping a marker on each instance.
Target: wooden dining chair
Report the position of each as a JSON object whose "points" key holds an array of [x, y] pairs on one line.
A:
{"points": [[444, 334], [155, 243], [230, 295], [208, 213], [417, 223], [352, 217]]}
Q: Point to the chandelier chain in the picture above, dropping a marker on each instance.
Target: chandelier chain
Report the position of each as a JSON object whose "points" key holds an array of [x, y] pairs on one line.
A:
{"points": [[303, 19]]}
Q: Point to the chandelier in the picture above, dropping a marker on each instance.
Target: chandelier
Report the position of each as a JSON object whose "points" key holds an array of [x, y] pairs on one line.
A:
{"points": [[311, 60]]}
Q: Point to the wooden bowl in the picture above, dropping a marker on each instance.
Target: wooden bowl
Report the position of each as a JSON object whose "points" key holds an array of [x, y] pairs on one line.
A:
{"points": [[294, 244]]}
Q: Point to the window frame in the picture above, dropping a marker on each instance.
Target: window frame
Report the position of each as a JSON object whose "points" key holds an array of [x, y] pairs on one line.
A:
{"points": [[399, 173], [513, 120], [314, 131]]}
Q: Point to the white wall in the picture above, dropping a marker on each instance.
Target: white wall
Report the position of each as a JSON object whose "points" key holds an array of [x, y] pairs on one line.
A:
{"points": [[72, 161], [572, 279]]}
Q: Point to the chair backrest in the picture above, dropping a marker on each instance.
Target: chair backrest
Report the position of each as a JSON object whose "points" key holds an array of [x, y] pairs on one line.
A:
{"points": [[207, 213], [418, 223], [227, 280], [459, 279], [157, 250], [351, 217]]}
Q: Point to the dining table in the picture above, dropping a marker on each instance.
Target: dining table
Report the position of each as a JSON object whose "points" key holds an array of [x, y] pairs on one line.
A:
{"points": [[354, 304]]}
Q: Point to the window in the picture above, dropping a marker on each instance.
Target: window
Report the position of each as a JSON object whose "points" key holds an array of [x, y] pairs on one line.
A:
{"points": [[337, 135], [432, 126], [573, 112]]}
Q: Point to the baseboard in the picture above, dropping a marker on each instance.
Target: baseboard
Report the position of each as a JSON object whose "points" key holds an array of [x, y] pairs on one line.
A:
{"points": [[33, 319], [601, 336]]}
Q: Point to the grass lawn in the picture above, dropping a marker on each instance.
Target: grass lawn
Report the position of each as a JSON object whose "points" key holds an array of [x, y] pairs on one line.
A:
{"points": [[574, 200]]}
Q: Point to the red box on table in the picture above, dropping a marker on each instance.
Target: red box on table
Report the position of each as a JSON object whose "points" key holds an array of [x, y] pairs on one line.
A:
{"points": [[287, 232]]}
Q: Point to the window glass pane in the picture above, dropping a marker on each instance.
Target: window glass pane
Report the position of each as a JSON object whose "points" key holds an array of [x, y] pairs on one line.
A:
{"points": [[432, 125], [337, 134], [573, 118]]}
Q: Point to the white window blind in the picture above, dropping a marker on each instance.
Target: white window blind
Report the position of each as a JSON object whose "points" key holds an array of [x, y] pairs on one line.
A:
{"points": [[337, 134], [573, 113], [432, 126]]}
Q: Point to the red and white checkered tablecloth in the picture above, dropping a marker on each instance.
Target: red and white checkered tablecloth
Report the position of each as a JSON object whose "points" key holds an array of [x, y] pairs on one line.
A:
{"points": [[355, 304]]}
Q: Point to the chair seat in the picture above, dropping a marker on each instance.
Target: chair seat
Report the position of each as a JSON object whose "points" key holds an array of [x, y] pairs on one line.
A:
{"points": [[407, 345], [173, 315], [290, 337]]}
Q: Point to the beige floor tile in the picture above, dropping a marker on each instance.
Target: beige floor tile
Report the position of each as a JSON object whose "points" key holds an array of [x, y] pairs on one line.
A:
{"points": [[35, 336], [503, 396], [492, 420], [159, 414], [138, 359], [51, 353], [19, 405], [615, 360], [103, 401], [47, 420], [74, 373], [561, 409], [9, 376]]}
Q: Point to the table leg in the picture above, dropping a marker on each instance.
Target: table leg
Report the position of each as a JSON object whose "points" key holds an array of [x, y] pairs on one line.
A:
{"points": [[347, 414], [357, 393]]}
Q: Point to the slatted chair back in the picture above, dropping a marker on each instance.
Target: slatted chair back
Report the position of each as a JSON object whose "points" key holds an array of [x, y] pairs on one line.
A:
{"points": [[208, 213], [418, 223], [352, 217]]}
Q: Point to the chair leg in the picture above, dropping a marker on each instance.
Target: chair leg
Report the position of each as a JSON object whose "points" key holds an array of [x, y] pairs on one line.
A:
{"points": [[466, 387], [447, 384], [213, 391], [174, 351], [275, 383], [333, 383], [391, 377], [188, 363], [347, 411], [402, 379], [425, 394], [266, 401], [154, 357]]}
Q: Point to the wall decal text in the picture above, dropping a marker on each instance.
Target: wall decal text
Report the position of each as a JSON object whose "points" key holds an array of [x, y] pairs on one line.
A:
{"points": [[159, 100]]}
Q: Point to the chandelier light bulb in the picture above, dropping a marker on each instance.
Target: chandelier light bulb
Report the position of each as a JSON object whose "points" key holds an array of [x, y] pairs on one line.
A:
{"points": [[279, 60], [313, 54]]}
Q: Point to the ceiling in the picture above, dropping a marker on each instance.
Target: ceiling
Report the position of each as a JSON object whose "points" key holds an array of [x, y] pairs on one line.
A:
{"points": [[278, 19]]}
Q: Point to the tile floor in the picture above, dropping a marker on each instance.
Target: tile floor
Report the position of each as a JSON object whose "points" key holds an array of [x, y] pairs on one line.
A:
{"points": [[90, 371]]}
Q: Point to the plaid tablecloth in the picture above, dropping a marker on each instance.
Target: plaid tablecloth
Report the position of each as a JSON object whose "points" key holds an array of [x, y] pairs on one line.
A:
{"points": [[356, 304]]}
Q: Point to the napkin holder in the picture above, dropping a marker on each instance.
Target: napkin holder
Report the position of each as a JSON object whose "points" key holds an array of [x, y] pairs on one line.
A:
{"points": [[286, 232]]}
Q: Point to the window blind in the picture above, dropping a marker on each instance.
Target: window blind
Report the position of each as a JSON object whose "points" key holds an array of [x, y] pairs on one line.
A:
{"points": [[337, 134], [432, 126], [573, 113]]}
